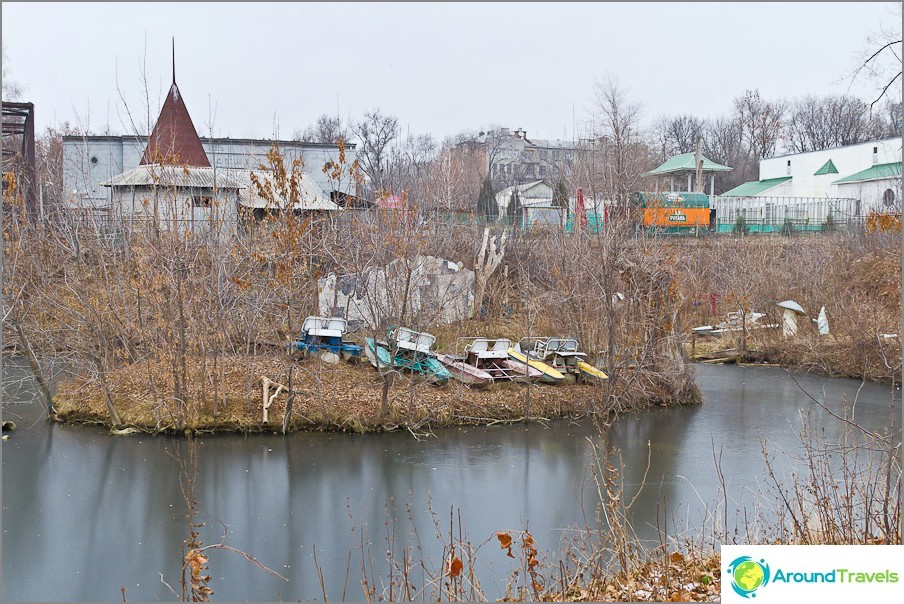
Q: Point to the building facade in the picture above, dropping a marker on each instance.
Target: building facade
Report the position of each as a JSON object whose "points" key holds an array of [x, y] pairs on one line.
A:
{"points": [[810, 191], [511, 158], [91, 160]]}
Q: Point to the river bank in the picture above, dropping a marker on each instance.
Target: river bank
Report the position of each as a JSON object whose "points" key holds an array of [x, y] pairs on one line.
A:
{"points": [[872, 359], [345, 397]]}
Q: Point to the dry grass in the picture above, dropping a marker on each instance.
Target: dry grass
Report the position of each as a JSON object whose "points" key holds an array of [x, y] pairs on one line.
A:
{"points": [[343, 397]]}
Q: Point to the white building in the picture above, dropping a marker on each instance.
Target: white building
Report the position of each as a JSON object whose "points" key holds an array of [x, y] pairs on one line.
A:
{"points": [[804, 191], [537, 206]]}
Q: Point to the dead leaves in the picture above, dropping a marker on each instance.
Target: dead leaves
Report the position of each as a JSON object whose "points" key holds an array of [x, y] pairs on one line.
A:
{"points": [[197, 563], [455, 566], [505, 542]]}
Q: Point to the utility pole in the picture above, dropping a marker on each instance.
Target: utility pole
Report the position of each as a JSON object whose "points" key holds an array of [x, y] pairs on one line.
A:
{"points": [[698, 163]]}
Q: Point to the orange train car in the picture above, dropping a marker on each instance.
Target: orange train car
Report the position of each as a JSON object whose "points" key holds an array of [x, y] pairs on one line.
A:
{"points": [[676, 217]]}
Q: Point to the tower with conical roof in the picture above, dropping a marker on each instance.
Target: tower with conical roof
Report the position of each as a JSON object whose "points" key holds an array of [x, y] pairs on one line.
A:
{"points": [[175, 183], [174, 140]]}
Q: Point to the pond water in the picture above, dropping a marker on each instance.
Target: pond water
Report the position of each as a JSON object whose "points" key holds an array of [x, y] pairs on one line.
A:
{"points": [[85, 513]]}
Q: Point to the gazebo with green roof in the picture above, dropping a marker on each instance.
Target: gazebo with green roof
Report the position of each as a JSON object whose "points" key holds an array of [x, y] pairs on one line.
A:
{"points": [[685, 164]]}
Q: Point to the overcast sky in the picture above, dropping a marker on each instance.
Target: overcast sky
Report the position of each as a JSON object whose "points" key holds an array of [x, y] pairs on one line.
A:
{"points": [[252, 70]]}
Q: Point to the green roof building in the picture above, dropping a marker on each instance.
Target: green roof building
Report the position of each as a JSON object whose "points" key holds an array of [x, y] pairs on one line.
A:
{"points": [[683, 166]]}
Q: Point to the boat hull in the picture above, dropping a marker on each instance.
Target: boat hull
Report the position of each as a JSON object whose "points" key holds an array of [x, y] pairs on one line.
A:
{"points": [[374, 351], [467, 374], [548, 374], [589, 372], [515, 370]]}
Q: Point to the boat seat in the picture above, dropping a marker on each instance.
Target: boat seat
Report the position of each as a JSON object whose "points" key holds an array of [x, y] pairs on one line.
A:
{"points": [[478, 345]]}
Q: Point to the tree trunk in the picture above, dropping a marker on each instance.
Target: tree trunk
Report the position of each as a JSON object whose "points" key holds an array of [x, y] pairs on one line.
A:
{"points": [[34, 365]]}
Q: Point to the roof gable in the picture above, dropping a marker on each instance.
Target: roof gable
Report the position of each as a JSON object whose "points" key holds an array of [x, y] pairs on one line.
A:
{"points": [[174, 139], [827, 168]]}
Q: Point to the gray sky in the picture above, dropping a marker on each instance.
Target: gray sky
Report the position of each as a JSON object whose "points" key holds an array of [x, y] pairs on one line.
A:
{"points": [[441, 68]]}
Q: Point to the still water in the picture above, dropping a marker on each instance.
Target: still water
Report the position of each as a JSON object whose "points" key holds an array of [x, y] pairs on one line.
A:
{"points": [[85, 513]]}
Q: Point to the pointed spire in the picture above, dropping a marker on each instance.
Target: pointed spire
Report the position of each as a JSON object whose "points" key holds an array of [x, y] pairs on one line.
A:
{"points": [[174, 139]]}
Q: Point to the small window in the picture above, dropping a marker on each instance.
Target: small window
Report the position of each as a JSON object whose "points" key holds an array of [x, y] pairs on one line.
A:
{"points": [[888, 198], [789, 166], [94, 159], [201, 201]]}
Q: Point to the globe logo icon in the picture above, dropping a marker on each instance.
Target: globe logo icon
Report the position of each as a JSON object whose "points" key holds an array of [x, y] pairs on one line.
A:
{"points": [[748, 575]]}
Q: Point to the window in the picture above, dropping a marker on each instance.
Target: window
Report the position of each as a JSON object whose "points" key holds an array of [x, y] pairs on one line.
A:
{"points": [[789, 166], [888, 198], [542, 171], [201, 201], [875, 155]]}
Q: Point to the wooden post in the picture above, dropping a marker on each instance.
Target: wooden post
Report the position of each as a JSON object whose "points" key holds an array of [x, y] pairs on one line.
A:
{"points": [[698, 166], [267, 397]]}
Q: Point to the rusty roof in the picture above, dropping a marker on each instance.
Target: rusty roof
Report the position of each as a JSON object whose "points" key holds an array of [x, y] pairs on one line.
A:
{"points": [[174, 139]]}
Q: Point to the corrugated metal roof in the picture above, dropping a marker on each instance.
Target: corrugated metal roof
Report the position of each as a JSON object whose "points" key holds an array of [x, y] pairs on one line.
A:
{"points": [[827, 168], [755, 187], [527, 190], [310, 195], [877, 172], [174, 139], [685, 162], [174, 176]]}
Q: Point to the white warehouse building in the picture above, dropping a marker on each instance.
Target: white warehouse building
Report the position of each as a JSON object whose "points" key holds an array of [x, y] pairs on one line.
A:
{"points": [[807, 191]]}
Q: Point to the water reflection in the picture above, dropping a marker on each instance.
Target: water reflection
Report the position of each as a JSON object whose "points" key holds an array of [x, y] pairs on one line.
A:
{"points": [[104, 512]]}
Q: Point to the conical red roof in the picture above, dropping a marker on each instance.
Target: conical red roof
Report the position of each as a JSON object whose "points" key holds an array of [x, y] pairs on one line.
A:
{"points": [[174, 139]]}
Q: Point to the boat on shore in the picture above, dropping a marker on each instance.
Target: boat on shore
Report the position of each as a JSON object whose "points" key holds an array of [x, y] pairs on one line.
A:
{"points": [[377, 352], [324, 336], [463, 372], [412, 351], [562, 354], [491, 357], [548, 374]]}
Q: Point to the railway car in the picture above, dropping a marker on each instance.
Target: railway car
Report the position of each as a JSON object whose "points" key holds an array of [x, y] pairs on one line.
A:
{"points": [[674, 213]]}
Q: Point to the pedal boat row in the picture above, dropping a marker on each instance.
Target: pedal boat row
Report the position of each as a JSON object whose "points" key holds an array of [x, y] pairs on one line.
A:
{"points": [[482, 360]]}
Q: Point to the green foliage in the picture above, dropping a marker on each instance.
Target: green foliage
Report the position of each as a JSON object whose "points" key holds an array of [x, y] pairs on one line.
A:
{"points": [[740, 226], [830, 225], [487, 208]]}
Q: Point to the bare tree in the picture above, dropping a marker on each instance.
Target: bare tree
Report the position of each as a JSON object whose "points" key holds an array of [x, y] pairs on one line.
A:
{"points": [[760, 122], [823, 123], [625, 156], [376, 132], [326, 129], [674, 135], [11, 89], [881, 62]]}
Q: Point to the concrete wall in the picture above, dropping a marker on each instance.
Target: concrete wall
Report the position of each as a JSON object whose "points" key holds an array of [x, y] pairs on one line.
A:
{"points": [[872, 194], [441, 292]]}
